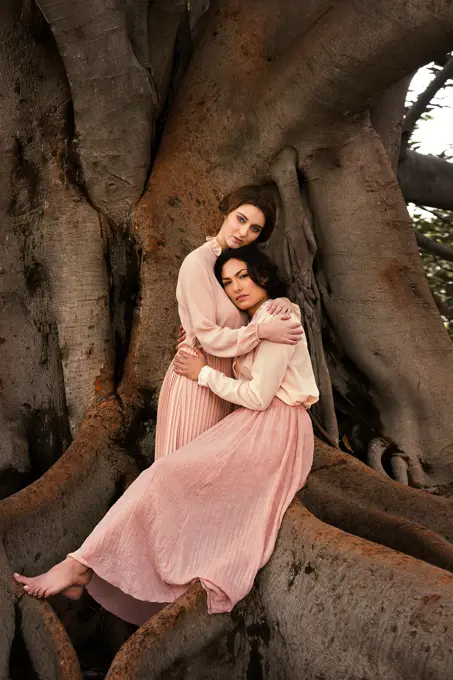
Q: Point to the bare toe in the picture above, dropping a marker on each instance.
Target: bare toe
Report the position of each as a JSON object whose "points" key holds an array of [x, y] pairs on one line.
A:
{"points": [[21, 579]]}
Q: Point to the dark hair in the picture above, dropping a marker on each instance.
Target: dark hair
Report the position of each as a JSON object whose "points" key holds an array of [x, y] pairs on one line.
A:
{"points": [[259, 267], [262, 196]]}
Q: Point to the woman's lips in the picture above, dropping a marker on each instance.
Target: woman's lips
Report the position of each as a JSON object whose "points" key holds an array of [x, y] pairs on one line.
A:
{"points": [[241, 297], [237, 241]]}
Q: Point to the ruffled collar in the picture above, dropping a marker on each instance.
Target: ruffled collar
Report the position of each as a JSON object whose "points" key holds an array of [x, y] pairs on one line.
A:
{"points": [[213, 242]]}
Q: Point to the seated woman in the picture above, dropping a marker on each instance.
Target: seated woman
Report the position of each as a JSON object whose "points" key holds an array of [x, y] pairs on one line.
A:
{"points": [[212, 509]]}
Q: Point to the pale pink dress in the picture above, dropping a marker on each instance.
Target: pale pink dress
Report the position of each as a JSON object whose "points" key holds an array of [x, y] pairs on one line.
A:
{"points": [[212, 509], [211, 320]]}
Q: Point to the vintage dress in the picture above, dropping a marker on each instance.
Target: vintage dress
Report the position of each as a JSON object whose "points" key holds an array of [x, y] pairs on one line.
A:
{"points": [[211, 321], [212, 509]]}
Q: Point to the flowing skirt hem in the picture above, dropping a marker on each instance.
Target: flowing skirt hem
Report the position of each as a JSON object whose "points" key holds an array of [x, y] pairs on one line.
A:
{"points": [[210, 511]]}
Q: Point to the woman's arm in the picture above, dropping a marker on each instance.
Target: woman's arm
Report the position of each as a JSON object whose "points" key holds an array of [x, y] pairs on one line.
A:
{"points": [[269, 368], [268, 371], [196, 293]]}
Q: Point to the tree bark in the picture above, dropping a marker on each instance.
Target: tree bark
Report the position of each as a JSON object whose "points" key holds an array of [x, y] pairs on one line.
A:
{"points": [[387, 117], [426, 180], [265, 76], [376, 221], [112, 94], [294, 248], [327, 77]]}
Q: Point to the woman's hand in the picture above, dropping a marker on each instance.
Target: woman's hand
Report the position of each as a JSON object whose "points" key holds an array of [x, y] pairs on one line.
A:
{"points": [[181, 337], [189, 365], [280, 306], [286, 332]]}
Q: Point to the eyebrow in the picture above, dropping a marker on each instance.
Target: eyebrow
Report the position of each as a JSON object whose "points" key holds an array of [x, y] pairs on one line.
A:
{"points": [[227, 278], [246, 218]]}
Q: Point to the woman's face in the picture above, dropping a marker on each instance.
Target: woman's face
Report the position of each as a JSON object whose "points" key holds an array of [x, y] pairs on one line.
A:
{"points": [[240, 288], [241, 226]]}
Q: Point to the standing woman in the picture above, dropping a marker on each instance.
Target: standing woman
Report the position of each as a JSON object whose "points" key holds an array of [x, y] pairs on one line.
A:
{"points": [[212, 322]]}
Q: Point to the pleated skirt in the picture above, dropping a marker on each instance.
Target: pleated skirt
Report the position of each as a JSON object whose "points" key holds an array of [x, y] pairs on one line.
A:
{"points": [[210, 511], [186, 410]]}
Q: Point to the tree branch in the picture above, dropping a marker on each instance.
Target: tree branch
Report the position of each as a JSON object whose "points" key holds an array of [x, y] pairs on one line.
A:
{"points": [[433, 247], [426, 180], [439, 216], [421, 104], [442, 306], [340, 67]]}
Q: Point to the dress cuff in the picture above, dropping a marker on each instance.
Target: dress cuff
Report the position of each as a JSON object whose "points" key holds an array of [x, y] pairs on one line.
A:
{"points": [[254, 326], [203, 377]]}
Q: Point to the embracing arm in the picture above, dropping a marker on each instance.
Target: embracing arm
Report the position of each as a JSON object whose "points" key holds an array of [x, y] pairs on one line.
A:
{"points": [[197, 294], [269, 368]]}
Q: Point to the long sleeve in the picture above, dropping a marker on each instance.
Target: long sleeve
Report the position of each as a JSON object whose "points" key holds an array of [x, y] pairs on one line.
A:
{"points": [[196, 293], [269, 368]]}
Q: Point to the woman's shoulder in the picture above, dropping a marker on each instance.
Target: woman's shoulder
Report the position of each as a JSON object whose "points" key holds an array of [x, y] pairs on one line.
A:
{"points": [[201, 256], [263, 315]]}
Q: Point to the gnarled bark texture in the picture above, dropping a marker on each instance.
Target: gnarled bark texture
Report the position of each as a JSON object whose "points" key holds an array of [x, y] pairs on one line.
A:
{"points": [[112, 168]]}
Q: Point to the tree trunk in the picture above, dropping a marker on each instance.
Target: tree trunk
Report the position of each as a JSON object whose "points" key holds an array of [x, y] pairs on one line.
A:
{"points": [[309, 93]]}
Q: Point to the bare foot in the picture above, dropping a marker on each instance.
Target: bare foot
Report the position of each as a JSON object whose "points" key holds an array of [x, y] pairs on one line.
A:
{"points": [[68, 578]]}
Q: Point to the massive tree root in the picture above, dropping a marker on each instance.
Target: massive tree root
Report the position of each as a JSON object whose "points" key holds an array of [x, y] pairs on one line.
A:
{"points": [[88, 276], [349, 495]]}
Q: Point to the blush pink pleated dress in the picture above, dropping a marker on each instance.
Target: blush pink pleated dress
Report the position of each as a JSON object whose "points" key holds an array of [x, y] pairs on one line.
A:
{"points": [[211, 321], [212, 509]]}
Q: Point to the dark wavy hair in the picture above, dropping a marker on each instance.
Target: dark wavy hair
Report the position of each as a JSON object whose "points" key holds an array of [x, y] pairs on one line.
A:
{"points": [[260, 268], [262, 196]]}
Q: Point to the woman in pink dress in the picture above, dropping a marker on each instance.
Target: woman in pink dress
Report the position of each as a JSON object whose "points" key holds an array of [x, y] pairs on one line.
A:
{"points": [[211, 510], [211, 320]]}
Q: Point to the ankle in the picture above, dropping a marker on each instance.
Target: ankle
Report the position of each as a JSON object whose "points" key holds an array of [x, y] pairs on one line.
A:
{"points": [[76, 565]]}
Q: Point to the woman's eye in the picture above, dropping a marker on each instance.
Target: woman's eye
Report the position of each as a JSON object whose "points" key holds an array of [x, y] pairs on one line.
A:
{"points": [[226, 283], [243, 276], [256, 230], [241, 219]]}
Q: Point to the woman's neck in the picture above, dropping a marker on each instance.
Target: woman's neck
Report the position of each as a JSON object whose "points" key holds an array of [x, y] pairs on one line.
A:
{"points": [[253, 310], [221, 240]]}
